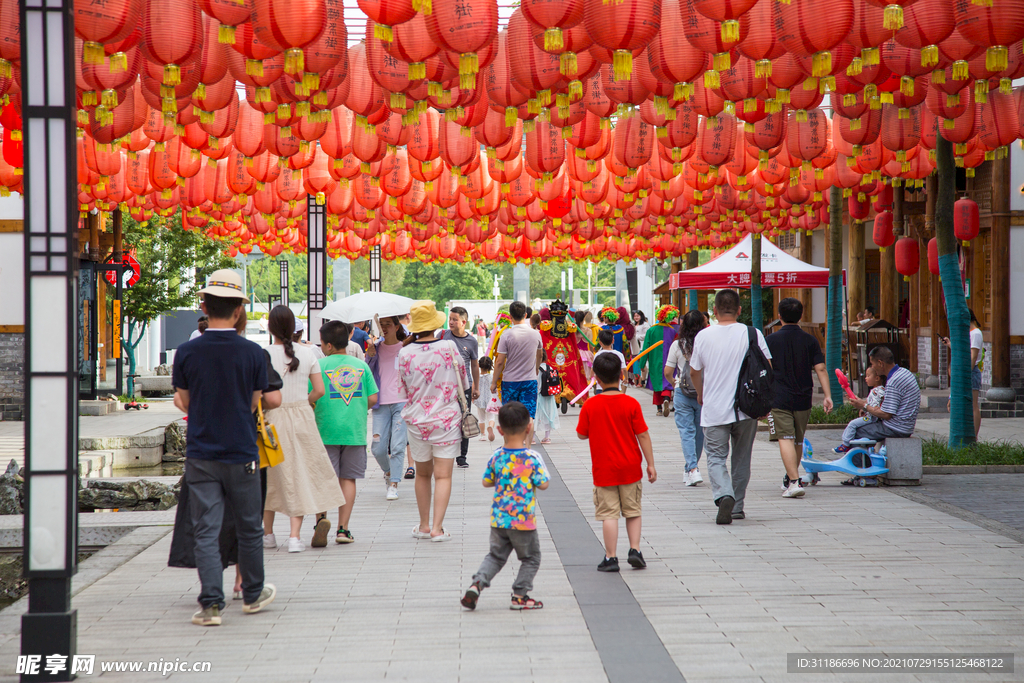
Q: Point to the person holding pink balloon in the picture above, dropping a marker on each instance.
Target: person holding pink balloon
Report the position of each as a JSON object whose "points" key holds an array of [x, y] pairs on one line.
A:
{"points": [[877, 383]]}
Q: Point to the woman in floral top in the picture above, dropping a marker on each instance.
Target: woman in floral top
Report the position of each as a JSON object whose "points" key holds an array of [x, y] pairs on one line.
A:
{"points": [[432, 375]]}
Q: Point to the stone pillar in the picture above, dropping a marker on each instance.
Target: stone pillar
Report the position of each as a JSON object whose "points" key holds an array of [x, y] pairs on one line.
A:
{"points": [[521, 283], [1000, 283]]}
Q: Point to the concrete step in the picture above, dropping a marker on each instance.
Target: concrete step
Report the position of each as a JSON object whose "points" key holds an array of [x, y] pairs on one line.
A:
{"points": [[140, 450], [98, 407]]}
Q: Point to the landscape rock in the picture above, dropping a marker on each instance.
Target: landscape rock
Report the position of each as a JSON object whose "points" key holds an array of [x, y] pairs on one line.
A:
{"points": [[174, 440], [11, 489], [164, 369], [138, 495]]}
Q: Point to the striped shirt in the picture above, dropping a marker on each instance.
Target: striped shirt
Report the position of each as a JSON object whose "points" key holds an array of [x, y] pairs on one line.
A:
{"points": [[902, 400]]}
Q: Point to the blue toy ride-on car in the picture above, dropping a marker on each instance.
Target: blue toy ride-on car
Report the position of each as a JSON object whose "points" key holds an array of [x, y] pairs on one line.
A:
{"points": [[860, 461]]}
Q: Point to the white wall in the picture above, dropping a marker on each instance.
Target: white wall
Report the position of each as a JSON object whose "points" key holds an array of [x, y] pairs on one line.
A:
{"points": [[1016, 280], [12, 278]]}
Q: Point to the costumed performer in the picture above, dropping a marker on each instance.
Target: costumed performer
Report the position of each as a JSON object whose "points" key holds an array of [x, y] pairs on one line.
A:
{"points": [[558, 334], [662, 330], [616, 321], [501, 323]]}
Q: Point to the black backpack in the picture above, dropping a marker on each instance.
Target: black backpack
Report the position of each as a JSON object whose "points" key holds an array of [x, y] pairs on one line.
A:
{"points": [[550, 382], [754, 388]]}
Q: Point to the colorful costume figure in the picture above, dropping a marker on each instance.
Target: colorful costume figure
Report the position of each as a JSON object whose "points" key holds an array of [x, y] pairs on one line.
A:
{"points": [[501, 323], [661, 331], [617, 322], [558, 333]]}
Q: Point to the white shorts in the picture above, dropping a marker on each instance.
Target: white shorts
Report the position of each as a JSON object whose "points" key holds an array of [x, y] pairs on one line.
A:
{"points": [[424, 451]]}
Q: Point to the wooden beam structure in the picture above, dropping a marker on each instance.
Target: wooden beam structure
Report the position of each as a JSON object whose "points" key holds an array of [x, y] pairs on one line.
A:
{"points": [[999, 282]]}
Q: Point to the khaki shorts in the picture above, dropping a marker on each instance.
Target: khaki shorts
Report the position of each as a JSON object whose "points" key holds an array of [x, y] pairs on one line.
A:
{"points": [[424, 451], [787, 424], [612, 502]]}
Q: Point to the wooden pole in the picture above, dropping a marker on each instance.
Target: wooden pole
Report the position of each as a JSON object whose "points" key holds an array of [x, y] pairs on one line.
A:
{"points": [[856, 273], [806, 254], [93, 221], [118, 237], [888, 278], [692, 261], [1000, 282]]}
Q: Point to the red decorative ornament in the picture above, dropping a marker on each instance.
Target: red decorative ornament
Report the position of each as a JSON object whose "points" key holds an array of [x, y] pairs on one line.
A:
{"points": [[933, 256], [908, 257], [622, 27], [882, 234]]}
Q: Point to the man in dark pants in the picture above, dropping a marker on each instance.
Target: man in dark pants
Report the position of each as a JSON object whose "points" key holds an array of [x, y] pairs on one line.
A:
{"points": [[469, 348], [219, 379]]}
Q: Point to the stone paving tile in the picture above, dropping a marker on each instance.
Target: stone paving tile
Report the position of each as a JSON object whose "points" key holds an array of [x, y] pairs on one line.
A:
{"points": [[836, 568]]}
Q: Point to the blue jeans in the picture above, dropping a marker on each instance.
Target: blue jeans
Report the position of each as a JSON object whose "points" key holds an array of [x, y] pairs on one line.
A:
{"points": [[688, 424], [389, 435]]}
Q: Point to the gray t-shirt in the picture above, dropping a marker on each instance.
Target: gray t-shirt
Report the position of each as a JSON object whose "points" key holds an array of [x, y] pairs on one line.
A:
{"points": [[520, 343], [469, 347]]}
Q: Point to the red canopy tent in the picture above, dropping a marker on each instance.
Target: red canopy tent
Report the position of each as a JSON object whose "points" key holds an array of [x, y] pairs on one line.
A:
{"points": [[732, 269]]}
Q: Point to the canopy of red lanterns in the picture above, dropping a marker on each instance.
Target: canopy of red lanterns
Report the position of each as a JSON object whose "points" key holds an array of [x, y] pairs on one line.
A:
{"points": [[582, 129]]}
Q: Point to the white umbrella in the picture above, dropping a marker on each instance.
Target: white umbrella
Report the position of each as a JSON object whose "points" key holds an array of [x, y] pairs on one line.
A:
{"points": [[366, 305]]}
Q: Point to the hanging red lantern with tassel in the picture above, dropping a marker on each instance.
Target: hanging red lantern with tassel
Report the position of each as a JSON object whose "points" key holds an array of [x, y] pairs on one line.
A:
{"points": [[808, 31], [908, 257], [464, 27], [965, 219], [933, 256], [881, 234], [622, 27]]}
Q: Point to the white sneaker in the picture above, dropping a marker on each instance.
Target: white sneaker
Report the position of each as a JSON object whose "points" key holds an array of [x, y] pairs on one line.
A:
{"points": [[393, 492], [695, 477], [686, 478], [794, 490], [295, 545], [270, 541]]}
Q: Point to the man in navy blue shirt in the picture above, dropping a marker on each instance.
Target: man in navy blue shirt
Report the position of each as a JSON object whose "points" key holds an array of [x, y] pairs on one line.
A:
{"points": [[219, 379]]}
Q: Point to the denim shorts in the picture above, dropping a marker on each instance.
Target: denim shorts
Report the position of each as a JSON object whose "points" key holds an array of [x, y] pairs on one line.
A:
{"points": [[975, 379]]}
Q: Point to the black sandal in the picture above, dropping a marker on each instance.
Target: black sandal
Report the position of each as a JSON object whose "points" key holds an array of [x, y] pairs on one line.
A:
{"points": [[410, 473]]}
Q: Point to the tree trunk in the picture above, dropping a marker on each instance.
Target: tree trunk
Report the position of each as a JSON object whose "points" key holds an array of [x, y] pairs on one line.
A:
{"points": [[961, 413], [834, 340], [130, 351], [692, 261], [756, 314]]}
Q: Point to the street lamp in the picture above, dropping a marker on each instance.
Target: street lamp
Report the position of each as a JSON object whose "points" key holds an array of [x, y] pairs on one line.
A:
{"points": [[49, 628]]}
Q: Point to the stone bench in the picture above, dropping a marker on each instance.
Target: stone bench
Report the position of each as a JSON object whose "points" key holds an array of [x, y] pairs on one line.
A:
{"points": [[904, 462], [154, 384]]}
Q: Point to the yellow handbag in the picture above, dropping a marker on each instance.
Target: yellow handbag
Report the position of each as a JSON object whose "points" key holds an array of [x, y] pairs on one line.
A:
{"points": [[266, 438]]}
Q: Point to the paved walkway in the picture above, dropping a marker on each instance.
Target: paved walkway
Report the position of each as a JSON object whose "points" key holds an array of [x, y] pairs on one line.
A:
{"points": [[842, 570]]}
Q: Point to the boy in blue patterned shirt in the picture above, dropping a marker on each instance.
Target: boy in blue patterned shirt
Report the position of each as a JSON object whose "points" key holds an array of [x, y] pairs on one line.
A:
{"points": [[515, 472]]}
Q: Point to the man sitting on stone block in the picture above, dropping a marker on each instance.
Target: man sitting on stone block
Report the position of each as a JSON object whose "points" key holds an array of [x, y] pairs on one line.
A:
{"points": [[897, 415]]}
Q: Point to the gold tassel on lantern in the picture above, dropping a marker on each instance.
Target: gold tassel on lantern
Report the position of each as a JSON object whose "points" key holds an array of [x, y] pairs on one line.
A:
{"points": [[856, 67], [567, 62], [821, 64], [1006, 86], [226, 35], [981, 91], [384, 33], [254, 67], [782, 95], [294, 61], [762, 68], [892, 19], [870, 55], [961, 70], [886, 97], [855, 123], [930, 55], [711, 80], [907, 86], [622, 65], [92, 53], [553, 39], [682, 92], [417, 71], [722, 61], [172, 74], [118, 63], [529, 126], [424, 7], [730, 31]]}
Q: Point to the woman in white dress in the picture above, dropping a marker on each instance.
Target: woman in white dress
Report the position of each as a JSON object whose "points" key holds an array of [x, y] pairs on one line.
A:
{"points": [[305, 483], [636, 344]]}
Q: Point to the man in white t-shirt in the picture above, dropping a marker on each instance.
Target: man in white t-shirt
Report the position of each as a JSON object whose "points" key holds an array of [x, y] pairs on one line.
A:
{"points": [[718, 352]]}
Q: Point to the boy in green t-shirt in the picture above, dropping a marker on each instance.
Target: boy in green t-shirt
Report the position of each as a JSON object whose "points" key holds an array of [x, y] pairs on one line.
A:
{"points": [[341, 415]]}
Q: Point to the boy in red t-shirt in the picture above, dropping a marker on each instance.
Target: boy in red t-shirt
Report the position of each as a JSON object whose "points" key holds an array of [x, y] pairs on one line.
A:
{"points": [[615, 425]]}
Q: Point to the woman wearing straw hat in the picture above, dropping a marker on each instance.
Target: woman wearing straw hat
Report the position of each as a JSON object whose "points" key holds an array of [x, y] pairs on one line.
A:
{"points": [[305, 483], [432, 375]]}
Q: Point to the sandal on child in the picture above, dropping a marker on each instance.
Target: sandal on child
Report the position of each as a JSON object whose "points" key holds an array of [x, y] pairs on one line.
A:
{"points": [[525, 602], [445, 536], [472, 595], [416, 533], [410, 473]]}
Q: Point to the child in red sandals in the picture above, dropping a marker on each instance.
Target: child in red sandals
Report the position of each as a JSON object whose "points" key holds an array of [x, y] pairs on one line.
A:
{"points": [[516, 473]]}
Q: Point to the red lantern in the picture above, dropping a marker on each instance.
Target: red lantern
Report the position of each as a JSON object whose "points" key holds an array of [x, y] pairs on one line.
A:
{"points": [[858, 208], [882, 232], [623, 27], [933, 256], [171, 49], [464, 27], [289, 25], [104, 21], [965, 219], [994, 27], [908, 257], [806, 30]]}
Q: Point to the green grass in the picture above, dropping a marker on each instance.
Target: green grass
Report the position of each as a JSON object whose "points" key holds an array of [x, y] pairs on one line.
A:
{"points": [[840, 415], [937, 452]]}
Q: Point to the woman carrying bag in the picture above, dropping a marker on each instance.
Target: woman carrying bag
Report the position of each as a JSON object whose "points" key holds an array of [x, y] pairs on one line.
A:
{"points": [[304, 483], [433, 378]]}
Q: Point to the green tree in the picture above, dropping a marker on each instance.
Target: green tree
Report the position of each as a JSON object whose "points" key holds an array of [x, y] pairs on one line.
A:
{"points": [[443, 282], [265, 277], [174, 261]]}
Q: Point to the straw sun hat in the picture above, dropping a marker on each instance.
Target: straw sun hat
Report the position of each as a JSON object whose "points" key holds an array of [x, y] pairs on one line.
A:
{"points": [[425, 316], [225, 283]]}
